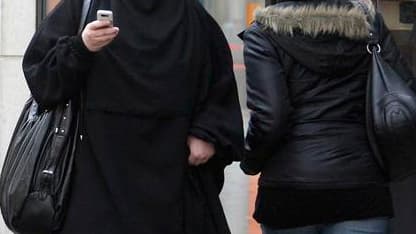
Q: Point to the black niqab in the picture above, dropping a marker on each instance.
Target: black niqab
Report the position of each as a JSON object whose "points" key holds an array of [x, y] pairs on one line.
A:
{"points": [[149, 25], [166, 76], [159, 50]]}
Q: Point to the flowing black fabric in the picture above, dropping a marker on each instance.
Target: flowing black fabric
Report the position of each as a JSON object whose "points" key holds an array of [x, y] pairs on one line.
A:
{"points": [[166, 76], [166, 47]]}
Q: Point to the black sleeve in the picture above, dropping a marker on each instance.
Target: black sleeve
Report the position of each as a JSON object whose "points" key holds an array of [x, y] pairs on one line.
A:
{"points": [[56, 57], [391, 52], [218, 116], [267, 99]]}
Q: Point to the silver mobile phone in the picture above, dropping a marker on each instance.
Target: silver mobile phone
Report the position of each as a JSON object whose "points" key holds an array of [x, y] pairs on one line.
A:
{"points": [[105, 15]]}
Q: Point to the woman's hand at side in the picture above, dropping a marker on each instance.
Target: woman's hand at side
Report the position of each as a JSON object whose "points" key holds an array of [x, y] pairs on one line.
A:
{"points": [[200, 151], [98, 34]]}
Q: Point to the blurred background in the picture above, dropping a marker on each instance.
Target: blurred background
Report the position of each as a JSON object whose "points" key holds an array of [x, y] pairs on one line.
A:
{"points": [[18, 22]]}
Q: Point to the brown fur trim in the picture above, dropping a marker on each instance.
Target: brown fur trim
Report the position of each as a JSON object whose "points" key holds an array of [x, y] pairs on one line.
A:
{"points": [[351, 22]]}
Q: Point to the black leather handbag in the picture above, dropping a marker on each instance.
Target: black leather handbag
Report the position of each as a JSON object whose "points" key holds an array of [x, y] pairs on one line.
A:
{"points": [[36, 175], [391, 117]]}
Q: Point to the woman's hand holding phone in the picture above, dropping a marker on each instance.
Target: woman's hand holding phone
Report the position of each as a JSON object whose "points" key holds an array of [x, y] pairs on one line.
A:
{"points": [[99, 34]]}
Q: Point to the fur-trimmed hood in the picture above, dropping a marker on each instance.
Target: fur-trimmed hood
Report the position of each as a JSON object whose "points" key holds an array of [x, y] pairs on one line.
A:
{"points": [[348, 18]]}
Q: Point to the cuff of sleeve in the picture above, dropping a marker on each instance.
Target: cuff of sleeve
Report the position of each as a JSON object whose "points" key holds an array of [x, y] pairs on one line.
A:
{"points": [[250, 166], [201, 134], [79, 47], [252, 162]]}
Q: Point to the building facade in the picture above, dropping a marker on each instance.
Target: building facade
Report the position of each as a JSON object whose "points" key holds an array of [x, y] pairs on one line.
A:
{"points": [[18, 21], [17, 24]]}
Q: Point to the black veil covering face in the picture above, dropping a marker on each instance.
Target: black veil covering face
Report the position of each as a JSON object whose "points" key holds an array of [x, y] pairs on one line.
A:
{"points": [[158, 52], [158, 28]]}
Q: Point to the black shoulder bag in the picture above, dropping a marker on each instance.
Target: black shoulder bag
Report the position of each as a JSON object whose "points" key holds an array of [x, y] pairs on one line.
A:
{"points": [[391, 116], [36, 175]]}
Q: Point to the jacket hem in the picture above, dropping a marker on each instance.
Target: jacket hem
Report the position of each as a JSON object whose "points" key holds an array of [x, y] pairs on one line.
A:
{"points": [[319, 185]]}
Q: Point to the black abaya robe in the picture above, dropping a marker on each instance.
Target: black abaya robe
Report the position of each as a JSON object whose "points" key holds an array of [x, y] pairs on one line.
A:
{"points": [[131, 173]]}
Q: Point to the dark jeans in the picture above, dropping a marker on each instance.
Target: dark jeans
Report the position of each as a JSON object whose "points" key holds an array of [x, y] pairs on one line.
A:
{"points": [[366, 226]]}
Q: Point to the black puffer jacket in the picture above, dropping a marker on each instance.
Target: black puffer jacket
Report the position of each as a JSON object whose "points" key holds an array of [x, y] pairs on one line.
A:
{"points": [[307, 69]]}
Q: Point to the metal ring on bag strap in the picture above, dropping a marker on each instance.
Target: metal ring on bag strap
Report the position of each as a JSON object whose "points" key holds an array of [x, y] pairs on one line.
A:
{"points": [[370, 51]]}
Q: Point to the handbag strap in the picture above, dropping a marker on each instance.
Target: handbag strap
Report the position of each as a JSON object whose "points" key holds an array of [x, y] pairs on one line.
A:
{"points": [[373, 44], [86, 6]]}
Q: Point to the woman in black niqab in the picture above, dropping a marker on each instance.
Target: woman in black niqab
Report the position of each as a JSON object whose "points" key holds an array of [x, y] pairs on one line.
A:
{"points": [[166, 76]]}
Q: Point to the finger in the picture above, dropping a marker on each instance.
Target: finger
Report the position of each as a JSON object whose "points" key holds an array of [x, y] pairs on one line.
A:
{"points": [[104, 32], [104, 39], [94, 35], [201, 160], [98, 24], [192, 161], [195, 160], [205, 160]]}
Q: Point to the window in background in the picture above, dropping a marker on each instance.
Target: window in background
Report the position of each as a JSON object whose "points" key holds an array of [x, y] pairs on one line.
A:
{"points": [[400, 17]]}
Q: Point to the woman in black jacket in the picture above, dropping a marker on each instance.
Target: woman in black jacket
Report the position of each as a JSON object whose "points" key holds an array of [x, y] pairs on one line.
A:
{"points": [[162, 117], [307, 69]]}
